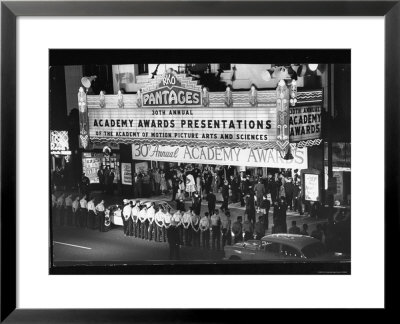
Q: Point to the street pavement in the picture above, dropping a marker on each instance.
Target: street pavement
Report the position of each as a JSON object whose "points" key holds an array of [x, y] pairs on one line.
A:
{"points": [[83, 246]]}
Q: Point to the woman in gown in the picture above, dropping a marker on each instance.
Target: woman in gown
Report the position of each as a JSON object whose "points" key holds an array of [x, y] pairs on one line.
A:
{"points": [[190, 184], [163, 183]]}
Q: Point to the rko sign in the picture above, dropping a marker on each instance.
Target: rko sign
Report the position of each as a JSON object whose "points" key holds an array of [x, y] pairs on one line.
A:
{"points": [[171, 92]]}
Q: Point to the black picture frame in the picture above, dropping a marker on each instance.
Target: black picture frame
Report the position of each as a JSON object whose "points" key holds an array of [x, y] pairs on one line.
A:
{"points": [[10, 10]]}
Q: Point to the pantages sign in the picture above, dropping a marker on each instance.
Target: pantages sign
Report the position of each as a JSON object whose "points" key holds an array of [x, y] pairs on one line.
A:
{"points": [[174, 110], [171, 92]]}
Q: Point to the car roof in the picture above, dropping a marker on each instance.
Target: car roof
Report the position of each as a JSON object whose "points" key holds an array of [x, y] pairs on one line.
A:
{"points": [[146, 200], [295, 240], [155, 201], [143, 200]]}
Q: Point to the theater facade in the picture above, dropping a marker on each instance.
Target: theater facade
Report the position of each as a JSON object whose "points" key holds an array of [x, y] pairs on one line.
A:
{"points": [[172, 120]]}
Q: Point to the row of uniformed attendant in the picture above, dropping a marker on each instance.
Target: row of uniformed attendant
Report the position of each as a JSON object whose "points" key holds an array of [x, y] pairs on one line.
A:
{"points": [[146, 222], [79, 212]]}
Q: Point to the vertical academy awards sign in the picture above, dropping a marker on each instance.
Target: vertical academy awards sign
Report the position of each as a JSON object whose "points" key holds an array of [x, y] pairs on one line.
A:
{"points": [[174, 110], [305, 118]]}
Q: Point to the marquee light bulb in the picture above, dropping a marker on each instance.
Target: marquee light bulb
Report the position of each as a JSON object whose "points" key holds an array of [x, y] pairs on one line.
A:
{"points": [[313, 67]]}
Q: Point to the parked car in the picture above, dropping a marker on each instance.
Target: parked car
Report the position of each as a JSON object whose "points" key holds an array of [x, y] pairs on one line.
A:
{"points": [[281, 247], [116, 217]]}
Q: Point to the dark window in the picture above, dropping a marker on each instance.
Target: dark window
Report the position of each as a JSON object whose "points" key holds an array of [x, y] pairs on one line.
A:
{"points": [[143, 68], [225, 66], [182, 68], [290, 251], [314, 250], [270, 247]]}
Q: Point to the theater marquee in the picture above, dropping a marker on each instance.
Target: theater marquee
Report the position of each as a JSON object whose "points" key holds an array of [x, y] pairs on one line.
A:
{"points": [[174, 110], [233, 127]]}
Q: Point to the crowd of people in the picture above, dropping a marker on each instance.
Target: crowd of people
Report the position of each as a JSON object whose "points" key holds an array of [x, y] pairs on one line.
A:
{"points": [[211, 228], [106, 177], [183, 180], [181, 183]]}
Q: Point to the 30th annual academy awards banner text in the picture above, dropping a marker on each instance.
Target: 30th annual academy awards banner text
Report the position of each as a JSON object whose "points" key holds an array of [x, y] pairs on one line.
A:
{"points": [[220, 155]]}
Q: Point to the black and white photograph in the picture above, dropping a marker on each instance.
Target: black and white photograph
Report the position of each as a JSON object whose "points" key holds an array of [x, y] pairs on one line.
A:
{"points": [[190, 161], [173, 162]]}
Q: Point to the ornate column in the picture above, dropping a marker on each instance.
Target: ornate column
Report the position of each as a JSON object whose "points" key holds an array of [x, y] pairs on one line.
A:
{"points": [[293, 93], [282, 102], [83, 119]]}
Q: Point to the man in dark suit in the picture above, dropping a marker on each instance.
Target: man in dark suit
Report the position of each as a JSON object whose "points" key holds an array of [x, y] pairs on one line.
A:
{"points": [[289, 191], [225, 196], [173, 241], [237, 230], [279, 217], [85, 185], [211, 199], [175, 187], [294, 229], [246, 185], [100, 174], [259, 229], [111, 182], [272, 188]]}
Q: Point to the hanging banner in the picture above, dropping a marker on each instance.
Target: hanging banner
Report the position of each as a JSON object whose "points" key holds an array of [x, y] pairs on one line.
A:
{"points": [[220, 156]]}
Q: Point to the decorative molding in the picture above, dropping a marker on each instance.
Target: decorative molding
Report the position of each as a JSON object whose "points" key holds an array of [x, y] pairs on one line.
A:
{"points": [[307, 143], [309, 96], [183, 142]]}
